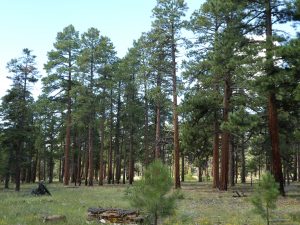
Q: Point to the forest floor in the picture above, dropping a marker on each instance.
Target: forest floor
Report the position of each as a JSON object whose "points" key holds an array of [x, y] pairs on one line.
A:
{"points": [[200, 204]]}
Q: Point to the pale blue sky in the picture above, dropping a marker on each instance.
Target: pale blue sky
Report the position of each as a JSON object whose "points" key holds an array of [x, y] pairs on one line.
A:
{"points": [[34, 24]]}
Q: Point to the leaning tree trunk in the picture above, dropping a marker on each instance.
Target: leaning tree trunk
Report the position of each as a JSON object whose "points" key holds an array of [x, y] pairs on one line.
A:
{"points": [[272, 107]]}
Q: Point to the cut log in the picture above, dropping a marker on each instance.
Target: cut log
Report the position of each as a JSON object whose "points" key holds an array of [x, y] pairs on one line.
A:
{"points": [[114, 215]]}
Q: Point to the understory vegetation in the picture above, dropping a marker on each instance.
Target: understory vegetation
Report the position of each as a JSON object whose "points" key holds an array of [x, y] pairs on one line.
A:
{"points": [[200, 204]]}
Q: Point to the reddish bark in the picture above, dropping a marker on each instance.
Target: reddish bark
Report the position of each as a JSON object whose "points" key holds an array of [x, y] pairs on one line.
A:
{"points": [[225, 139], [272, 108], [216, 154]]}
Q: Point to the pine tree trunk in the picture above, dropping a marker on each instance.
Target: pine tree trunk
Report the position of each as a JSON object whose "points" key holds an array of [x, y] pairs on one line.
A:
{"points": [[124, 167], [216, 153], [34, 168], [243, 161], [78, 175], [86, 164], [28, 171], [295, 165], [68, 128], [110, 153], [225, 139], [91, 157], [231, 163], [157, 133], [200, 179], [146, 126], [51, 165], [158, 122], [272, 108], [131, 159], [175, 113], [17, 163], [101, 172], [236, 164], [182, 167], [298, 159], [117, 140]]}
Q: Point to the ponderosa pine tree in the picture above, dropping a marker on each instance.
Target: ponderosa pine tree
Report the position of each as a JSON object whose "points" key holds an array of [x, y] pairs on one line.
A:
{"points": [[219, 27], [17, 105], [61, 68], [168, 19], [266, 13]]}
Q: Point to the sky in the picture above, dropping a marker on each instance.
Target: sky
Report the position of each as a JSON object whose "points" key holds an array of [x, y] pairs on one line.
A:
{"points": [[34, 24]]}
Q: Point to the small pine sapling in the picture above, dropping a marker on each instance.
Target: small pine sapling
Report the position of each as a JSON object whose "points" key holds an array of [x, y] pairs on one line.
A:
{"points": [[152, 194], [265, 196]]}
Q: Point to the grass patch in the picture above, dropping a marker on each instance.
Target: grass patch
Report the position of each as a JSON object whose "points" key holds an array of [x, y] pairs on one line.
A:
{"points": [[200, 204]]}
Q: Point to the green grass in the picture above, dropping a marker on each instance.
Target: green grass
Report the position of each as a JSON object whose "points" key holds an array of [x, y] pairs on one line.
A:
{"points": [[200, 204]]}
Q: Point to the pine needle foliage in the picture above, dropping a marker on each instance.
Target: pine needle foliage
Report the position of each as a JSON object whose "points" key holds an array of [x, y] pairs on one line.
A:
{"points": [[152, 194], [265, 196]]}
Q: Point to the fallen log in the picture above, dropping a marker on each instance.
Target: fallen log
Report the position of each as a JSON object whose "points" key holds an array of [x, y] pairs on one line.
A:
{"points": [[54, 218], [114, 215], [238, 194]]}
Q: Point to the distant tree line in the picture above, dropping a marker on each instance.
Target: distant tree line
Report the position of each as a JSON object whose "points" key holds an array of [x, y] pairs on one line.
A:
{"points": [[101, 118]]}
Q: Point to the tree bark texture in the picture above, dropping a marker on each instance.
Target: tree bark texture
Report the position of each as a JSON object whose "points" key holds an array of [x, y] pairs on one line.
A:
{"points": [[225, 139], [272, 107]]}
